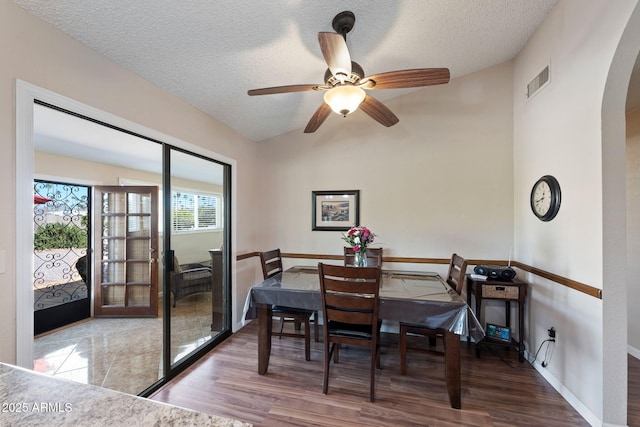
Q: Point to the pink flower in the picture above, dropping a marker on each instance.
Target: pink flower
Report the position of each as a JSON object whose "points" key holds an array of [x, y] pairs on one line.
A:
{"points": [[359, 238]]}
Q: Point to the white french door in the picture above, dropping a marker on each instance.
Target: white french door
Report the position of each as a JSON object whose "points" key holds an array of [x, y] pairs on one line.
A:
{"points": [[126, 248]]}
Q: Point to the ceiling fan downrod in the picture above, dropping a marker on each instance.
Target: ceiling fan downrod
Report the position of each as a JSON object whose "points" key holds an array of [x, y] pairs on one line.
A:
{"points": [[343, 23]]}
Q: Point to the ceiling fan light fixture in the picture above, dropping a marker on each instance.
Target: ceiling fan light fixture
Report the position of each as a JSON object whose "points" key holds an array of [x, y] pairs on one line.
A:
{"points": [[344, 99], [345, 82]]}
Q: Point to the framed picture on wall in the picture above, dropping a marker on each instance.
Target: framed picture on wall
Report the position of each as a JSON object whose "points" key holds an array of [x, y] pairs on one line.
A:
{"points": [[335, 210]]}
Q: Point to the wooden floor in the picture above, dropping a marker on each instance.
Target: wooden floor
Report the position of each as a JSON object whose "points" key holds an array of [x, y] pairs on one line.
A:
{"points": [[633, 400], [497, 389]]}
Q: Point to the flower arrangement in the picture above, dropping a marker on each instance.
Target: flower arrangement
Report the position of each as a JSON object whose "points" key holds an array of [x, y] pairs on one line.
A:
{"points": [[359, 238]]}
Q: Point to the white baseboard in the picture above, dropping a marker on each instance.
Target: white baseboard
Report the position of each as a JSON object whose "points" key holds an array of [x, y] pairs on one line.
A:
{"points": [[585, 412], [239, 325]]}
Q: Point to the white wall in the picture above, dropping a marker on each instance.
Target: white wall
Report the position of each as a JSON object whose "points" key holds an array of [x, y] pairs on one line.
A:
{"points": [[34, 51], [438, 182], [633, 230], [560, 132]]}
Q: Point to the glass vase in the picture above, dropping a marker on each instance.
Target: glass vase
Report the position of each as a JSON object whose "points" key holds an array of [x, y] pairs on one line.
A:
{"points": [[360, 259]]}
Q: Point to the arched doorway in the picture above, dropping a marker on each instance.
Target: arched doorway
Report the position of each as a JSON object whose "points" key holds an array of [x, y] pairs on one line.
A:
{"points": [[614, 223]]}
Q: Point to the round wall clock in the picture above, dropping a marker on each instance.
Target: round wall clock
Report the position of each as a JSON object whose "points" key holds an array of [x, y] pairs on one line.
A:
{"points": [[545, 198]]}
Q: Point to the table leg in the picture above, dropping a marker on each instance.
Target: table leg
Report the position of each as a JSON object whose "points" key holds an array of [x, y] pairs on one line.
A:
{"points": [[479, 315], [264, 337], [521, 331], [507, 313], [452, 368], [469, 304]]}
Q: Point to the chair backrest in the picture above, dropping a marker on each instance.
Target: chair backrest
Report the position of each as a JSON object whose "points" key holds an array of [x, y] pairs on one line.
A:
{"points": [[350, 295], [176, 265], [374, 257], [271, 263], [457, 271]]}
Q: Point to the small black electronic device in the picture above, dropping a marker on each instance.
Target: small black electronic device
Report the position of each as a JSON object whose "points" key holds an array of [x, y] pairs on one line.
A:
{"points": [[495, 272], [501, 333]]}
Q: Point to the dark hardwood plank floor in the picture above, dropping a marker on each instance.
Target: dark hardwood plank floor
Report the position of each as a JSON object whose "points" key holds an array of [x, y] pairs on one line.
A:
{"points": [[633, 399], [497, 390]]}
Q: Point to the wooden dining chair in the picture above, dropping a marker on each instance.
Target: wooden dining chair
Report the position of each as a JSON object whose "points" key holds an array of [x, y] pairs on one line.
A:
{"points": [[455, 279], [350, 301], [271, 265], [374, 256]]}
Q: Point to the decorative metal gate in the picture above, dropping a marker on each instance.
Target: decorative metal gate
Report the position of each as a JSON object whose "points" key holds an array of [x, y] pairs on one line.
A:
{"points": [[61, 283]]}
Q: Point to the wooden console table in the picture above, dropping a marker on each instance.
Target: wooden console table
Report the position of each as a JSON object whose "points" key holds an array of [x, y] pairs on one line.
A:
{"points": [[507, 291]]}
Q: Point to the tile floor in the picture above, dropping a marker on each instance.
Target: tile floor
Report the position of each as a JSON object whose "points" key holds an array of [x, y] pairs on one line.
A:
{"points": [[123, 354]]}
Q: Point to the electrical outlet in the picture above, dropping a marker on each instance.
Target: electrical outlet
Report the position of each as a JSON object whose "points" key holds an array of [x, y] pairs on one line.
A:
{"points": [[552, 332]]}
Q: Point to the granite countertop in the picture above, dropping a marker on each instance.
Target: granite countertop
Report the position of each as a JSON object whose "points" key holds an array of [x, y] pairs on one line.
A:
{"points": [[29, 398]]}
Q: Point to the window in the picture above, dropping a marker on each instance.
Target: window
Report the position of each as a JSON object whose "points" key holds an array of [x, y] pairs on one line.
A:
{"points": [[195, 211]]}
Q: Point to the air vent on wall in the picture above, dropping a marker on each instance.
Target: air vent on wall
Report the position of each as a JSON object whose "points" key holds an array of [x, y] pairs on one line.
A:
{"points": [[538, 82]]}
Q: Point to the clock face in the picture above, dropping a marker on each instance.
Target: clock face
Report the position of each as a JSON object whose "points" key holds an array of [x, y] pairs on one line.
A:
{"points": [[541, 198], [545, 198]]}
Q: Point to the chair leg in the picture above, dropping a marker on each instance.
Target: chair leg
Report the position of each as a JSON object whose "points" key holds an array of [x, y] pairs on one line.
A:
{"points": [[316, 327], [281, 326], [372, 375], [336, 351], [403, 350], [307, 340], [378, 352], [327, 358]]}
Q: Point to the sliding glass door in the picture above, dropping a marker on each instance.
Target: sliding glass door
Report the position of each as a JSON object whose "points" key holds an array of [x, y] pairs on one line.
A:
{"points": [[195, 244], [156, 280]]}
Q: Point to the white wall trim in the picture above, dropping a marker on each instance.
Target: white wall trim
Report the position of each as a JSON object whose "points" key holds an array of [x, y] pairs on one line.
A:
{"points": [[24, 228], [26, 94], [565, 393], [633, 352]]}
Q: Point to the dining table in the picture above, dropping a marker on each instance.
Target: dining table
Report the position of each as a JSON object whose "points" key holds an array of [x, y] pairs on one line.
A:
{"points": [[415, 297]]}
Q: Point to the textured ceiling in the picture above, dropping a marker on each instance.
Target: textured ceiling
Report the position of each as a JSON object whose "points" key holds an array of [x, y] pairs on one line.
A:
{"points": [[210, 53]]}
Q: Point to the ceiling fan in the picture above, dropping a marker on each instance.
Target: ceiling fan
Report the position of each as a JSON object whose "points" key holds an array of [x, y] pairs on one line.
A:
{"points": [[345, 81]]}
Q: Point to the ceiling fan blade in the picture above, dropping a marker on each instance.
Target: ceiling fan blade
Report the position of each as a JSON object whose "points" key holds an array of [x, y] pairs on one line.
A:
{"points": [[282, 89], [336, 53], [378, 111], [407, 78], [318, 118]]}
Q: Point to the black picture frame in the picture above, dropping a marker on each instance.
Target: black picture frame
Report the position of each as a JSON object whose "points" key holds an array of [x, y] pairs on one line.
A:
{"points": [[335, 210]]}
